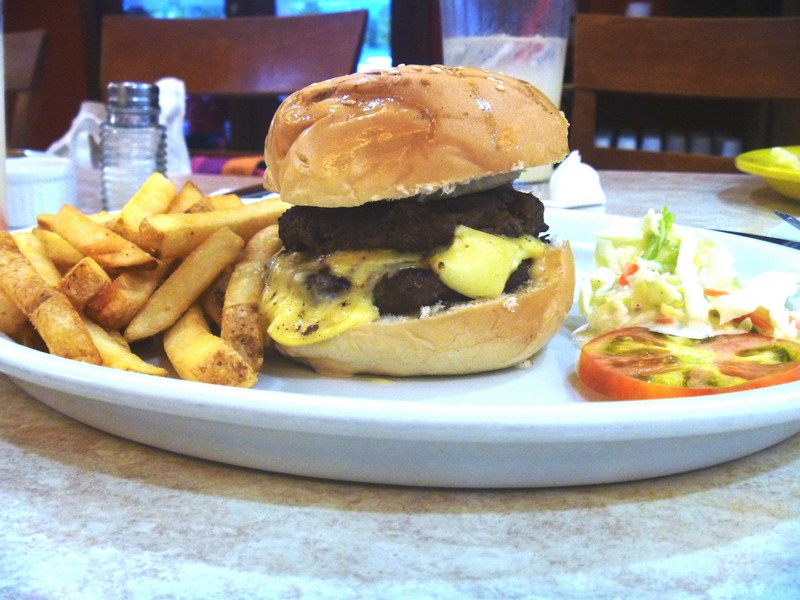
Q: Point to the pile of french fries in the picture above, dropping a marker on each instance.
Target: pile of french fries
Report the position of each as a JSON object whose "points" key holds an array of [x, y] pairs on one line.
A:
{"points": [[172, 265]]}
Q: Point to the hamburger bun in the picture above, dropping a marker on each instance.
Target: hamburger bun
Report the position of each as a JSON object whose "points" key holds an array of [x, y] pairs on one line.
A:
{"points": [[406, 131], [370, 159], [473, 337]]}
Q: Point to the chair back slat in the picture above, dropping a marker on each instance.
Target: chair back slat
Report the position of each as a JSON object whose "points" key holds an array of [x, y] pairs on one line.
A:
{"points": [[239, 56], [747, 59]]}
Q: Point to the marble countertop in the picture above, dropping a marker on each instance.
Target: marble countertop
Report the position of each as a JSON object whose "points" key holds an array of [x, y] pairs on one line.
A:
{"points": [[85, 514]]}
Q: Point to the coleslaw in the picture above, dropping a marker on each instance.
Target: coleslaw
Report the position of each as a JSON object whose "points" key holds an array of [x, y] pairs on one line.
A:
{"points": [[669, 279]]}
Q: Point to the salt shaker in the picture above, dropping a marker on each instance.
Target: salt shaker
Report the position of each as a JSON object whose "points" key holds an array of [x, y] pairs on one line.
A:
{"points": [[133, 144]]}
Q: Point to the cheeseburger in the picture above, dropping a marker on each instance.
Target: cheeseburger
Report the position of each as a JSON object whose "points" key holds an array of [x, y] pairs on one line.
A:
{"points": [[407, 251]]}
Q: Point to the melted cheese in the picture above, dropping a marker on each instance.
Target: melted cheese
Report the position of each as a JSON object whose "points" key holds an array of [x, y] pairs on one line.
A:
{"points": [[477, 265], [298, 316]]}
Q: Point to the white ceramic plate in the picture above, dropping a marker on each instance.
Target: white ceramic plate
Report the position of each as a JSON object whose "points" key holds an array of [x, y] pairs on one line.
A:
{"points": [[516, 428]]}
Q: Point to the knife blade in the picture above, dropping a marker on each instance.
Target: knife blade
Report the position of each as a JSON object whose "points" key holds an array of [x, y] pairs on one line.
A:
{"points": [[248, 192], [764, 238], [793, 221]]}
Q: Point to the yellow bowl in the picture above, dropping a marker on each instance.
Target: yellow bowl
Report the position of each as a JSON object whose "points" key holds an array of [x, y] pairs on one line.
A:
{"points": [[779, 167]]}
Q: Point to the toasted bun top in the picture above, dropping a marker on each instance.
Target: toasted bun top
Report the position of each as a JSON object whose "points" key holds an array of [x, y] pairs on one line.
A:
{"points": [[404, 131]]}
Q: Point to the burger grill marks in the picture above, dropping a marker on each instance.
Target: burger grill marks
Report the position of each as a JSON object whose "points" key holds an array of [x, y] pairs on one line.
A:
{"points": [[414, 225]]}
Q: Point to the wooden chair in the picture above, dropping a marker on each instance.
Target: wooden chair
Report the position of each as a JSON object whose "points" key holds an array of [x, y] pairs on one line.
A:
{"points": [[235, 57], [24, 55], [665, 62]]}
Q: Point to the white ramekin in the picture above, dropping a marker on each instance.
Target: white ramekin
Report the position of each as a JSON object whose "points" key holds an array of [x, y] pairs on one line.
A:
{"points": [[37, 184]]}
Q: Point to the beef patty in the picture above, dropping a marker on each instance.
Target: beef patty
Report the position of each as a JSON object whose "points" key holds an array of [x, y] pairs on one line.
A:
{"points": [[411, 225], [406, 291]]}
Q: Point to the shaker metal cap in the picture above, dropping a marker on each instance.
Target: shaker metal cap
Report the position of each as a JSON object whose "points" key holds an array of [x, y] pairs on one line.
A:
{"points": [[133, 94]]}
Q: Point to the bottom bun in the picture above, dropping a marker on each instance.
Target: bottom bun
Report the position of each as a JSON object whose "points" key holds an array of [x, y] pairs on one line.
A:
{"points": [[478, 336]]}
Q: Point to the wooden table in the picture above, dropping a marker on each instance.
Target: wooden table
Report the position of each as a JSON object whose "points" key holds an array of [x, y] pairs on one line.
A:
{"points": [[84, 514]]}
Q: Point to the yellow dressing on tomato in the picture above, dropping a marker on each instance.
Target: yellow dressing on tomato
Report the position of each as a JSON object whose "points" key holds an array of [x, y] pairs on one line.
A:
{"points": [[635, 363]]}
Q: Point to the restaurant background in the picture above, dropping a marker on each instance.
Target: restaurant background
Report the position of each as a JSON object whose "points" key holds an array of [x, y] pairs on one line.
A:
{"points": [[88, 514], [398, 32]]}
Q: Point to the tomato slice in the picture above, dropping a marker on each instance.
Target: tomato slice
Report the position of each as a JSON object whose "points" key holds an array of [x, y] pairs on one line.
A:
{"points": [[636, 363]]}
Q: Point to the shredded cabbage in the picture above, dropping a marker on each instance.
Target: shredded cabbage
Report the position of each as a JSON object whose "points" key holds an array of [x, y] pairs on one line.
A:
{"points": [[667, 278]]}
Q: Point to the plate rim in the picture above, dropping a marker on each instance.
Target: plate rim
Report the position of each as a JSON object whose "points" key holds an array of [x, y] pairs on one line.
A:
{"points": [[299, 411]]}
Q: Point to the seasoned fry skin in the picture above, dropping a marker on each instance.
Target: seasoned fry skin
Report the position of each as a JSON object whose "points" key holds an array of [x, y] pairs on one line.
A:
{"points": [[63, 255], [118, 355], [185, 285], [153, 197], [83, 281], [210, 203], [175, 235], [117, 303], [187, 196], [198, 355], [213, 299], [108, 248], [242, 324], [13, 322], [34, 250], [47, 308]]}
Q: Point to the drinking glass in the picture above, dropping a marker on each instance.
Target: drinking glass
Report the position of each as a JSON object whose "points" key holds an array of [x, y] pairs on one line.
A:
{"points": [[526, 39]]}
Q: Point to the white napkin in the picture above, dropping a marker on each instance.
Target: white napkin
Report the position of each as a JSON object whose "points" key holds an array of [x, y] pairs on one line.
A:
{"points": [[574, 184], [81, 143], [172, 98], [82, 140]]}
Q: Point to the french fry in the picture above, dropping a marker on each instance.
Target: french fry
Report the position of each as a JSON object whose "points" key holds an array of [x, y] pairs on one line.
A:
{"points": [[213, 298], [122, 283], [175, 235], [109, 249], [45, 221], [186, 197], [118, 356], [153, 197], [103, 217], [242, 325], [117, 337], [83, 281], [184, 286], [13, 322], [51, 313], [220, 202], [35, 252], [63, 255], [116, 304], [30, 338], [198, 355]]}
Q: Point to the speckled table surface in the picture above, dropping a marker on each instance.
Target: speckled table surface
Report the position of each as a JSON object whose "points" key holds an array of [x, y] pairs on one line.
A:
{"points": [[84, 514]]}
